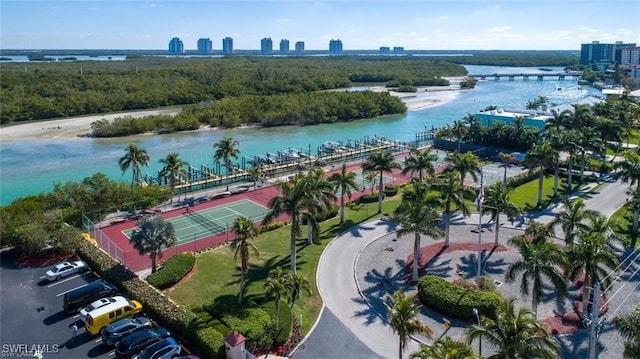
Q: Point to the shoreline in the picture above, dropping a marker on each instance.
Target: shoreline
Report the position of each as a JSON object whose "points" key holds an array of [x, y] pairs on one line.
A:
{"points": [[78, 127]]}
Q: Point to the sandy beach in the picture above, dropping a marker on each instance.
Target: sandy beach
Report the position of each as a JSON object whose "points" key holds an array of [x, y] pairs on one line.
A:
{"points": [[81, 126]]}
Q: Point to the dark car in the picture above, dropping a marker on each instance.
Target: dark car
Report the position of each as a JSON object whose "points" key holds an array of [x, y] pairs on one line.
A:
{"points": [[138, 341], [167, 348], [78, 298], [122, 328]]}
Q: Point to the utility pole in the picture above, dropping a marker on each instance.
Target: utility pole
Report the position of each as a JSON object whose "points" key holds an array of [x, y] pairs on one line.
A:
{"points": [[479, 201], [593, 338]]}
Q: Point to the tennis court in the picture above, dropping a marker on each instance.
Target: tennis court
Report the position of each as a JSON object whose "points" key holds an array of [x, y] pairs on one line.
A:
{"points": [[364, 184], [193, 225]]}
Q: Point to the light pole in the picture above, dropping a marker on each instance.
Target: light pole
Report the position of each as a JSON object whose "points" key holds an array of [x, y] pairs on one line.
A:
{"points": [[477, 315]]}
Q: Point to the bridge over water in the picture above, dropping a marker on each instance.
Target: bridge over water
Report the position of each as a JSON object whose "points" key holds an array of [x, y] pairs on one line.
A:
{"points": [[525, 76]]}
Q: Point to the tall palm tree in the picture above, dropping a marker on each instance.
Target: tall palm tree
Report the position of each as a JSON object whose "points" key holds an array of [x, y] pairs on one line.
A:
{"points": [[629, 171], [537, 231], [173, 168], [465, 164], [557, 141], [225, 150], [558, 120], [540, 260], [445, 348], [515, 334], [572, 218], [629, 328], [609, 131], [459, 130], [343, 182], [151, 235], [507, 160], [417, 215], [581, 117], [592, 256], [318, 194], [496, 199], [380, 162], [245, 230], [451, 199], [134, 158], [403, 318], [570, 138], [296, 284], [420, 161], [276, 287], [540, 156]]}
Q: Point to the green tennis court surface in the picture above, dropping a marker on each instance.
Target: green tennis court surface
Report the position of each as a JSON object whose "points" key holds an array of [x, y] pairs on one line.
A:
{"points": [[194, 225]]}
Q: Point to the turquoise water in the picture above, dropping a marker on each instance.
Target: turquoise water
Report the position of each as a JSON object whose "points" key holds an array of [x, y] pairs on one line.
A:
{"points": [[31, 167]]}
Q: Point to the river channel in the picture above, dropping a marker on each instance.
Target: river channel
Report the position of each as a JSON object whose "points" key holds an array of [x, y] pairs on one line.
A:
{"points": [[31, 167]]}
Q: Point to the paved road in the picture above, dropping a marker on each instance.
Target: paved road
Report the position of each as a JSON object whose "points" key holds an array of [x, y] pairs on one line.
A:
{"points": [[364, 334]]}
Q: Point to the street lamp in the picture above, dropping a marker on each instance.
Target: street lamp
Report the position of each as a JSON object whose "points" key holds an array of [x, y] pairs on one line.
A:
{"points": [[477, 315]]}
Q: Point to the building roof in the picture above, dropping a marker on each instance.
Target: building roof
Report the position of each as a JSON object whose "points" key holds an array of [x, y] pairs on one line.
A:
{"points": [[234, 339]]}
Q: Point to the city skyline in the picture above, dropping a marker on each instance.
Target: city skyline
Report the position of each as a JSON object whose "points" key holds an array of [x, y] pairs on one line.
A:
{"points": [[360, 25]]}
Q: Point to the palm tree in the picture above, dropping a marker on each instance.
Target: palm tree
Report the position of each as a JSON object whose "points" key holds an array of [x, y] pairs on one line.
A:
{"points": [[318, 194], [629, 328], [592, 256], [540, 259], [417, 215], [152, 233], [226, 149], [515, 334], [343, 182], [570, 138], [629, 171], [496, 199], [173, 167], [254, 174], [444, 348], [537, 231], [295, 285], [558, 120], [134, 158], [451, 198], [276, 288], [541, 156], [609, 130], [245, 230], [557, 141], [464, 164], [507, 160], [459, 130], [403, 318], [571, 219], [421, 160], [380, 162]]}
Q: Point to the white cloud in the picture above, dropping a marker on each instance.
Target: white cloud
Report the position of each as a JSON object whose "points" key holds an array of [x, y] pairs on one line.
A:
{"points": [[500, 29], [284, 20]]}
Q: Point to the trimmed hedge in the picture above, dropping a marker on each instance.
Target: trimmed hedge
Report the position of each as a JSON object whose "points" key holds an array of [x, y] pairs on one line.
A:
{"points": [[173, 270], [447, 297], [158, 306], [390, 190], [368, 198]]}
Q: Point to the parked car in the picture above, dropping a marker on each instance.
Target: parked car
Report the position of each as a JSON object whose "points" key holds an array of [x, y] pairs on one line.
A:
{"points": [[122, 328], [79, 297], [138, 341], [167, 348], [65, 269], [99, 304], [103, 317]]}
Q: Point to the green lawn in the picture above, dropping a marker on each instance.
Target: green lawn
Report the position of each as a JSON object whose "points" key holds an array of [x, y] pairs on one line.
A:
{"points": [[217, 272], [526, 195], [621, 223]]}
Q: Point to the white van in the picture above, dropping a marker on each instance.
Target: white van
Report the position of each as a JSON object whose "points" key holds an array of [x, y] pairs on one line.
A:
{"points": [[99, 304]]}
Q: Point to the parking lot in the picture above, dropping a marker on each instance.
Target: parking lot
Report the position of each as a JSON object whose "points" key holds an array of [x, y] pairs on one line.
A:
{"points": [[33, 324]]}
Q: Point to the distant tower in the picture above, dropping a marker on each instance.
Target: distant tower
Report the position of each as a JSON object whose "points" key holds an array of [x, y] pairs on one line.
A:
{"points": [[385, 50], [266, 46], [227, 45], [398, 50], [335, 46], [299, 47], [284, 46], [176, 46], [205, 46]]}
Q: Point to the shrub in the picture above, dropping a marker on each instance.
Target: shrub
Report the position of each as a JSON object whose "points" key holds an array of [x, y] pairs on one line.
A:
{"points": [[327, 213], [173, 270], [211, 341], [390, 190], [270, 227], [447, 297], [368, 198]]}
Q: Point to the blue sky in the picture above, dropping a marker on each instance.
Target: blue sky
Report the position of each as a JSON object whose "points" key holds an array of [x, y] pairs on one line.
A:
{"points": [[417, 24]]}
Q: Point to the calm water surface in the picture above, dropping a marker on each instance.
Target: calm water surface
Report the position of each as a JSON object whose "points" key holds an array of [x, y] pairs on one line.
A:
{"points": [[31, 167]]}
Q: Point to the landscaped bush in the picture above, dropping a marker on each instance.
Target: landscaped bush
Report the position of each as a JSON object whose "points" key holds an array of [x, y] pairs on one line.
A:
{"points": [[327, 213], [368, 198], [390, 190], [447, 297], [522, 178], [270, 227], [211, 341], [158, 306], [173, 270]]}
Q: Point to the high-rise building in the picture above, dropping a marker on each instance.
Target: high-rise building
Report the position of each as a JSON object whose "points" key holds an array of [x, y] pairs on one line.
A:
{"points": [[205, 46], [398, 50], [596, 52], [284, 46], [227, 45], [299, 47], [266, 46], [176, 46], [335, 46], [385, 50]]}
